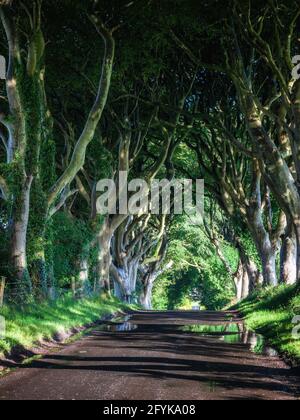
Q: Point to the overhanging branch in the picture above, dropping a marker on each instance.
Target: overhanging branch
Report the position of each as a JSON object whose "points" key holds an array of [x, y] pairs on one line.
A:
{"points": [[78, 157]]}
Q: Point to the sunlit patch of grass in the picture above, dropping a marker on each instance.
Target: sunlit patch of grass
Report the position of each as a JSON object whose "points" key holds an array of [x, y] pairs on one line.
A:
{"points": [[211, 329], [28, 326], [271, 312], [230, 333]]}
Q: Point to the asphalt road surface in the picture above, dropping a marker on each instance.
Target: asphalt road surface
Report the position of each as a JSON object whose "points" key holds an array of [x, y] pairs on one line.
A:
{"points": [[150, 357]]}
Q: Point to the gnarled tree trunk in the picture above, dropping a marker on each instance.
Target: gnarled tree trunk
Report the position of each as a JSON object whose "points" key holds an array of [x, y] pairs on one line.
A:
{"points": [[288, 256], [264, 245], [19, 233], [83, 275], [104, 257], [125, 280], [146, 293]]}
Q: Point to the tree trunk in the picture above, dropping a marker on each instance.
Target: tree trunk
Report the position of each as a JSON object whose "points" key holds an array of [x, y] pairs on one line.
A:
{"points": [[118, 291], [280, 180], [242, 281], [125, 281], [110, 225], [19, 235], [36, 238], [247, 277], [83, 277], [73, 287], [288, 257], [2, 289], [146, 295], [265, 248], [38, 272], [268, 259], [255, 276], [245, 285], [238, 281], [104, 258], [297, 231]]}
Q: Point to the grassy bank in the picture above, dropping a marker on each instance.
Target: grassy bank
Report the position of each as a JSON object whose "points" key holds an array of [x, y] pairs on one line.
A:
{"points": [[37, 322], [271, 312]]}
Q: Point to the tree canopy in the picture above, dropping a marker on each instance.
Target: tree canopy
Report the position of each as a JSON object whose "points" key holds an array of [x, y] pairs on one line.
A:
{"points": [[173, 89]]}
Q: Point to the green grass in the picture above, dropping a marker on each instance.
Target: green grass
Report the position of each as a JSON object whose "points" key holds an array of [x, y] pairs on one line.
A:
{"points": [[28, 326], [270, 312], [230, 332]]}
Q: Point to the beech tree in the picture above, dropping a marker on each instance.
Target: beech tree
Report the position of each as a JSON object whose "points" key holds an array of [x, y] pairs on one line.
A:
{"points": [[261, 70], [276, 109], [28, 123], [237, 184]]}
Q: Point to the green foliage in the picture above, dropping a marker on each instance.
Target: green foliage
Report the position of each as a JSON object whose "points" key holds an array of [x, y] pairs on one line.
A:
{"points": [[271, 312], [216, 285], [160, 297], [250, 247], [197, 274], [69, 239], [185, 289], [37, 220]]}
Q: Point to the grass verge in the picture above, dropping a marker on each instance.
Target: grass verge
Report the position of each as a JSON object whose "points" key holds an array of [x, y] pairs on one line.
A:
{"points": [[29, 326], [272, 312]]}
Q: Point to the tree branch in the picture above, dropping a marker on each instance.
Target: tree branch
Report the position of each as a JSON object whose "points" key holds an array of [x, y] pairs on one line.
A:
{"points": [[78, 158]]}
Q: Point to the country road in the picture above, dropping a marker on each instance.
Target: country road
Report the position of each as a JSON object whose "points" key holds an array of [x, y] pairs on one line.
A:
{"points": [[150, 357]]}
